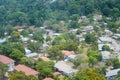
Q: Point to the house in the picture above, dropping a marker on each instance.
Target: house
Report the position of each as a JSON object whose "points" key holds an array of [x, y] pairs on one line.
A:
{"points": [[108, 32], [44, 58], [101, 45], [66, 52], [68, 55], [56, 34], [7, 61], [97, 17], [32, 55], [24, 39], [27, 51], [48, 78], [105, 55], [71, 57], [105, 40], [116, 36], [64, 68], [111, 74], [2, 41], [28, 71]]}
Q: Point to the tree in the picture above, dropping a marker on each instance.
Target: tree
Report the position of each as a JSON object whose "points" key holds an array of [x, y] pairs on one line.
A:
{"points": [[15, 36], [74, 24], [58, 40], [79, 31], [55, 52], [17, 18], [45, 68], [116, 63], [48, 38], [88, 74], [24, 33], [16, 54], [90, 38], [105, 48], [74, 17], [94, 56], [92, 61], [34, 46], [3, 70], [38, 36], [18, 76], [112, 26], [21, 76]]}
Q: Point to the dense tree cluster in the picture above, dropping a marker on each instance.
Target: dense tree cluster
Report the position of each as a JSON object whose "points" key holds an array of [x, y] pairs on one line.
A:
{"points": [[34, 12]]}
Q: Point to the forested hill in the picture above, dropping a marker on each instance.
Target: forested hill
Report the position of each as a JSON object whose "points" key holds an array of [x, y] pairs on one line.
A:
{"points": [[34, 12]]}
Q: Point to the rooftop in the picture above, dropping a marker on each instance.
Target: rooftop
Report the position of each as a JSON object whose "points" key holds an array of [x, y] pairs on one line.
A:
{"points": [[65, 52], [28, 71], [48, 79], [5, 59], [32, 55], [105, 54], [44, 58], [65, 67], [112, 72]]}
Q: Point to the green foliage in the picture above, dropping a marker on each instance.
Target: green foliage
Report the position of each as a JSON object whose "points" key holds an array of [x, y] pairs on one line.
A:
{"points": [[34, 46], [7, 48], [45, 68], [89, 74], [55, 53], [90, 38], [73, 24], [21, 76], [3, 69], [112, 26], [79, 31], [116, 63], [94, 56], [24, 33], [38, 36], [15, 36], [74, 17], [4, 29], [16, 54], [105, 48], [58, 40]]}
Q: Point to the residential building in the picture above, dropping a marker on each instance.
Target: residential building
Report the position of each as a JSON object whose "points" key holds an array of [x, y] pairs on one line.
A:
{"points": [[7, 61], [32, 55], [105, 40], [105, 55], [48, 78], [68, 55], [28, 71], [44, 58], [64, 68], [111, 74]]}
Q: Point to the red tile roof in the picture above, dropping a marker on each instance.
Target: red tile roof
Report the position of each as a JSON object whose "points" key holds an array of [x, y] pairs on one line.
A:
{"points": [[28, 71], [48, 79], [5, 59], [65, 52], [44, 58]]}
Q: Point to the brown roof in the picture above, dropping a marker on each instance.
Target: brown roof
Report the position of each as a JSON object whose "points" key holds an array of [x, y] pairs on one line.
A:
{"points": [[65, 52], [44, 58], [48, 79], [5, 59], [28, 71]]}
